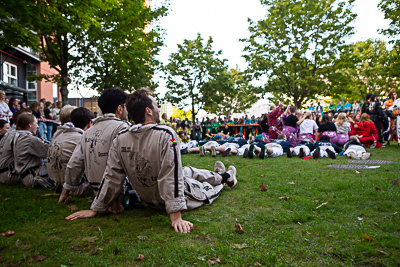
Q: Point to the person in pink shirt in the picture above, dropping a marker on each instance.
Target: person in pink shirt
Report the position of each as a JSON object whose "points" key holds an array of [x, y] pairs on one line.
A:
{"points": [[273, 116]]}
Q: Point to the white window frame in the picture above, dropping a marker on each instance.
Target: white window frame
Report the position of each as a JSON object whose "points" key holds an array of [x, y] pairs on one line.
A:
{"points": [[7, 76], [30, 100]]}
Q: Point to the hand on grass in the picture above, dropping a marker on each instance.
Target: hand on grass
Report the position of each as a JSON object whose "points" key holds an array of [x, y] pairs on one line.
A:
{"points": [[116, 207], [64, 197], [178, 224], [82, 214]]}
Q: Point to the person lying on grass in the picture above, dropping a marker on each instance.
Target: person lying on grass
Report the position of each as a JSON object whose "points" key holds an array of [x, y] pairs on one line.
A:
{"points": [[148, 154]]}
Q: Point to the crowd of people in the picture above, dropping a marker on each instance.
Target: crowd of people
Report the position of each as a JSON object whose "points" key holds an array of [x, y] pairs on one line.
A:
{"points": [[140, 160]]}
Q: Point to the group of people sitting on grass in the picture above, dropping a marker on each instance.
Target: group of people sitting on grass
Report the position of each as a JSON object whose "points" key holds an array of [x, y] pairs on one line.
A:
{"points": [[304, 134], [118, 162]]}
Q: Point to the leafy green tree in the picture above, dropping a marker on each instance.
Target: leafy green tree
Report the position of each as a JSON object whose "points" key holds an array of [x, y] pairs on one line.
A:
{"points": [[292, 47], [391, 11], [80, 35], [235, 93], [193, 73], [364, 67]]}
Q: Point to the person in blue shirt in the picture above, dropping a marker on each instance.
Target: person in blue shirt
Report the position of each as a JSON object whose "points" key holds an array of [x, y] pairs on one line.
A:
{"points": [[347, 107], [339, 106], [251, 129], [311, 108]]}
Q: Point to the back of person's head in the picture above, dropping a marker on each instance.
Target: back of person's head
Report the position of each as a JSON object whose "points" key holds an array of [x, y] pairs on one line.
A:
{"points": [[65, 113], [272, 107], [239, 135], [48, 104], [281, 136], [217, 137], [341, 119], [137, 103], [80, 117], [365, 117], [368, 97], [19, 112], [391, 93], [324, 138], [325, 118], [373, 96], [293, 109], [34, 106], [110, 99], [24, 120]]}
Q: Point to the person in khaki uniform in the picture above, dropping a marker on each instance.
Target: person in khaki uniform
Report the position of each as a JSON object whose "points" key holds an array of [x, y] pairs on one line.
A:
{"points": [[90, 155], [29, 153], [6, 153], [74, 123], [148, 154]]}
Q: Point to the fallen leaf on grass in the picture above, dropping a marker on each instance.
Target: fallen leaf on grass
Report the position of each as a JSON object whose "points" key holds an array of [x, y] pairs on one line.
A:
{"points": [[142, 237], [73, 207], [95, 252], [394, 213], [395, 182], [7, 233], [240, 246], [38, 258], [387, 170], [378, 189], [160, 246], [140, 257], [263, 188], [195, 227], [239, 228], [285, 198], [308, 233], [36, 197], [90, 239], [382, 252], [5, 199], [368, 238], [227, 160], [334, 196], [211, 262], [291, 183], [116, 219], [262, 175], [321, 205], [208, 165], [316, 201], [357, 172]]}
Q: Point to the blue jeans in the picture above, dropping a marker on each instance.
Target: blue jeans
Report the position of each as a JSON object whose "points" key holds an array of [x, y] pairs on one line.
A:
{"points": [[41, 132], [49, 133]]}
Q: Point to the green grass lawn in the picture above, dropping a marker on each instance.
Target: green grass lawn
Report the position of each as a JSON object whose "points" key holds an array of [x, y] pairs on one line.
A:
{"points": [[276, 232]]}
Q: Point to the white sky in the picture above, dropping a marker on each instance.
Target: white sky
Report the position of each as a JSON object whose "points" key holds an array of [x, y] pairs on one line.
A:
{"points": [[226, 22]]}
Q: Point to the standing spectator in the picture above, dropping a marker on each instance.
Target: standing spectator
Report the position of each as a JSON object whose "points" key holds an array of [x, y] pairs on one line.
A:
{"points": [[41, 132], [5, 112], [319, 110], [355, 107], [198, 129], [347, 107], [365, 106], [56, 111], [376, 115], [273, 116], [360, 105], [164, 119], [48, 115], [13, 104]]}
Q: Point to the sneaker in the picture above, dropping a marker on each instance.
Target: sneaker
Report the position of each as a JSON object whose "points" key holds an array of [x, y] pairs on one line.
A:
{"points": [[231, 182], [373, 145], [365, 156], [251, 152], [317, 153], [331, 154], [246, 153], [202, 151], [184, 151], [219, 167], [301, 153], [213, 152], [226, 152], [262, 153], [289, 153]]}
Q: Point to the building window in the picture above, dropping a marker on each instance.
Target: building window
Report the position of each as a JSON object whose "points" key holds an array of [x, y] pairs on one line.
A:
{"points": [[31, 86], [10, 73]]}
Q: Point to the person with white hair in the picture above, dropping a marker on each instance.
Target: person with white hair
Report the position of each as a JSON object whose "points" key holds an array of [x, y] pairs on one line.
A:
{"points": [[5, 112]]}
